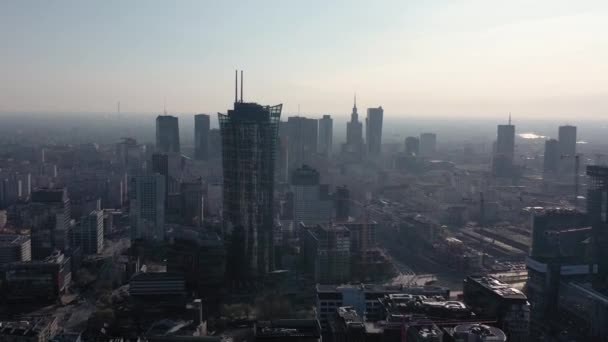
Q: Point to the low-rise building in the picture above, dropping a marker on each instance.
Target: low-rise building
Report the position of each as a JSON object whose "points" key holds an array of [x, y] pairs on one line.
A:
{"points": [[35, 330], [15, 248]]}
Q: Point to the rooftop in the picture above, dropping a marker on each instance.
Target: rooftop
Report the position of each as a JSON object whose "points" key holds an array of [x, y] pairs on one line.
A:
{"points": [[502, 289], [288, 327], [12, 239]]}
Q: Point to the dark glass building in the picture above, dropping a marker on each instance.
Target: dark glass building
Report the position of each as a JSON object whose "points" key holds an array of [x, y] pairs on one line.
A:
{"points": [[167, 134], [249, 137], [551, 162], [201, 136], [373, 130], [504, 152]]}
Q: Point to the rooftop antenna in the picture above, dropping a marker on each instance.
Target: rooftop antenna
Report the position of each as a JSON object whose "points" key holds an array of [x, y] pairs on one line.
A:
{"points": [[165, 105], [509, 118], [241, 86], [298, 109], [118, 109], [236, 84]]}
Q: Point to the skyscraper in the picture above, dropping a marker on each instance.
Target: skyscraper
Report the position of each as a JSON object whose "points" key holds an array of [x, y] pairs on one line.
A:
{"points": [[249, 138], [551, 161], [326, 127], [428, 144], [147, 207], [567, 149], [167, 134], [302, 136], [373, 130], [312, 203], [502, 164], [354, 133], [412, 146], [89, 233], [201, 136], [597, 209]]}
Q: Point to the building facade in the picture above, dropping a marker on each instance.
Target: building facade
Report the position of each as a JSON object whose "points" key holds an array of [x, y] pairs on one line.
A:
{"points": [[311, 200], [201, 136], [373, 130], [88, 234], [428, 144], [147, 207], [326, 128], [302, 134]]}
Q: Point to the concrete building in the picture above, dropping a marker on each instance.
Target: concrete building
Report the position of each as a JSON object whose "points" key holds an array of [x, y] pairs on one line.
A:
{"points": [[249, 143], [34, 330], [326, 251], [167, 134], [412, 146], [201, 136], [312, 202], [296, 330], [326, 128], [192, 206], [88, 234], [490, 298], [199, 256], [473, 332], [342, 203], [15, 248], [36, 281], [567, 149], [48, 215], [147, 207], [364, 298], [428, 144], [373, 130], [552, 158]]}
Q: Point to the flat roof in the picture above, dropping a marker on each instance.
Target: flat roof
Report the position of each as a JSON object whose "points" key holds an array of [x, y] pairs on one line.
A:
{"points": [[502, 289]]}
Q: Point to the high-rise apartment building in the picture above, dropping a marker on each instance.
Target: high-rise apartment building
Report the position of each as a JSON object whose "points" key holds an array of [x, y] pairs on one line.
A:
{"points": [[326, 127], [201, 136], [326, 251], [502, 164], [597, 209], [147, 207], [167, 134], [373, 130], [312, 203], [302, 136], [249, 145], [428, 144]]}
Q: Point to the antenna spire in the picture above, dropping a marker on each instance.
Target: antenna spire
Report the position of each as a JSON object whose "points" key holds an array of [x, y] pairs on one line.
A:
{"points": [[236, 83], [241, 86], [509, 118], [165, 106]]}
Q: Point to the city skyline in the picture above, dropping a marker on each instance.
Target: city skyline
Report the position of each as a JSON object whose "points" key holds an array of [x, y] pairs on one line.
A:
{"points": [[536, 60]]}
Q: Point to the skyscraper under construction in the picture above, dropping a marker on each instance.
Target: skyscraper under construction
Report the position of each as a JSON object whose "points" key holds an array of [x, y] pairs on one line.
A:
{"points": [[249, 137]]}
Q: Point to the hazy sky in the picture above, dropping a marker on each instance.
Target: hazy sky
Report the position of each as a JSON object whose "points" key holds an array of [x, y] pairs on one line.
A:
{"points": [[427, 57]]}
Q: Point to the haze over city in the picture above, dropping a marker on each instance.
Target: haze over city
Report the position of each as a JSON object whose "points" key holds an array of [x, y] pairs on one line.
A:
{"points": [[537, 59], [345, 171]]}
